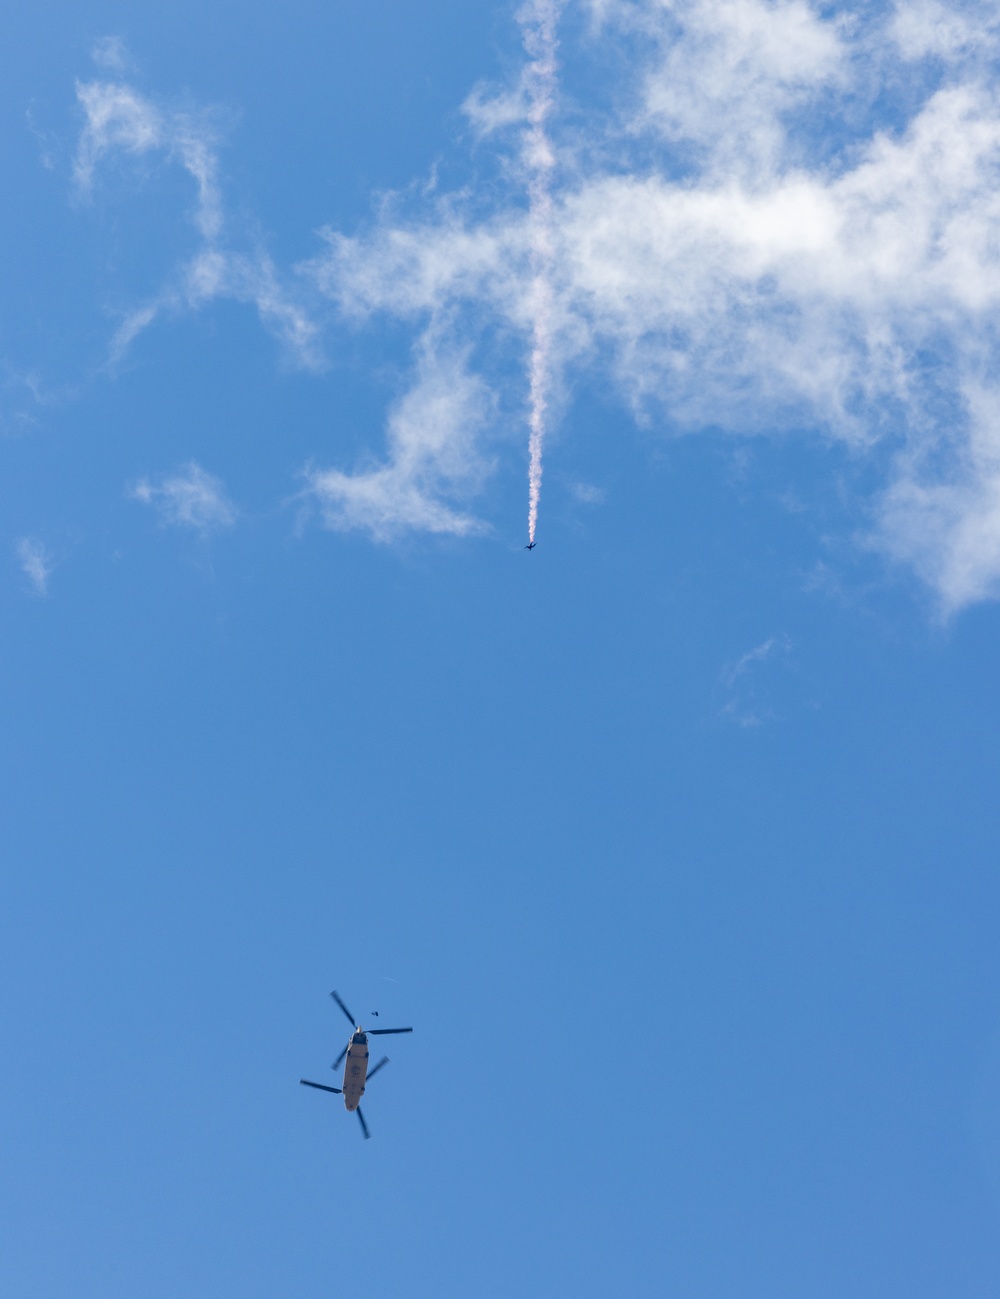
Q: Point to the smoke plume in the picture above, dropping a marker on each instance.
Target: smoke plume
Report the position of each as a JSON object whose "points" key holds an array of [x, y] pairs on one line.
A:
{"points": [[538, 20]]}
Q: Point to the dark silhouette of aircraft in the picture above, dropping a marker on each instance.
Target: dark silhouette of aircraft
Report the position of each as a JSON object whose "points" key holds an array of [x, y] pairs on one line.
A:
{"points": [[531, 545], [356, 1071]]}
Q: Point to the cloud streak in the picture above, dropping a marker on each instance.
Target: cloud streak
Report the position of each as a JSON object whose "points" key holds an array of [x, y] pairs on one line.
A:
{"points": [[538, 24], [120, 123], [433, 459], [36, 563], [748, 700], [190, 499]]}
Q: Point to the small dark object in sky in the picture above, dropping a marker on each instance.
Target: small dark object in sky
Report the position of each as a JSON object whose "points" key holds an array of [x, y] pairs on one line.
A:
{"points": [[531, 545]]}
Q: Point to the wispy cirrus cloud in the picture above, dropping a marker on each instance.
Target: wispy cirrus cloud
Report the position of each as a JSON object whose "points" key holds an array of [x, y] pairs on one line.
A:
{"points": [[191, 498], [110, 52], [748, 699], [119, 123], [118, 119], [36, 563], [434, 458]]}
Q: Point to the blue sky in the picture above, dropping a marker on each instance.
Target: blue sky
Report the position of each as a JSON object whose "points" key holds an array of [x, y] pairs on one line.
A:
{"points": [[675, 839]]}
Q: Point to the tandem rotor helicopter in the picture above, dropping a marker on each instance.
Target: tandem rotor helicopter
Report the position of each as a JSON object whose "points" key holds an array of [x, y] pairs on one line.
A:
{"points": [[356, 1069]]}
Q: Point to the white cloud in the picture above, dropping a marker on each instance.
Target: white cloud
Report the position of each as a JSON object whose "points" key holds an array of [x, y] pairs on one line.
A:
{"points": [[945, 520], [756, 655], [433, 458], [723, 73], [109, 52], [587, 493], [739, 251], [190, 499], [791, 219], [748, 698], [923, 28], [119, 121], [36, 563]]}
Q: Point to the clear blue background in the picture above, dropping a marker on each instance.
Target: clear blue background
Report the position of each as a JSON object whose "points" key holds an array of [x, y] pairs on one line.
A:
{"points": [[701, 1008]]}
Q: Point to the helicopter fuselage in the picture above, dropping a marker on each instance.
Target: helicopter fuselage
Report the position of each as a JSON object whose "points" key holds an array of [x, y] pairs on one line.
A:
{"points": [[355, 1057], [355, 1071]]}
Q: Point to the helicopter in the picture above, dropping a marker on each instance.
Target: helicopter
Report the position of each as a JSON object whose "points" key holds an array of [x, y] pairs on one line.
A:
{"points": [[356, 1069]]}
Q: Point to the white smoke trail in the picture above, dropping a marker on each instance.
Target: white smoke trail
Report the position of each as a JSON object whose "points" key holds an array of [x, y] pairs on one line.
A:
{"points": [[538, 19]]}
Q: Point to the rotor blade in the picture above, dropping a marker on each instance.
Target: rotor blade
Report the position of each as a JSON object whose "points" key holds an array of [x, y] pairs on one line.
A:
{"points": [[373, 1072], [364, 1125], [320, 1086], [354, 1022], [381, 1032], [336, 1063]]}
